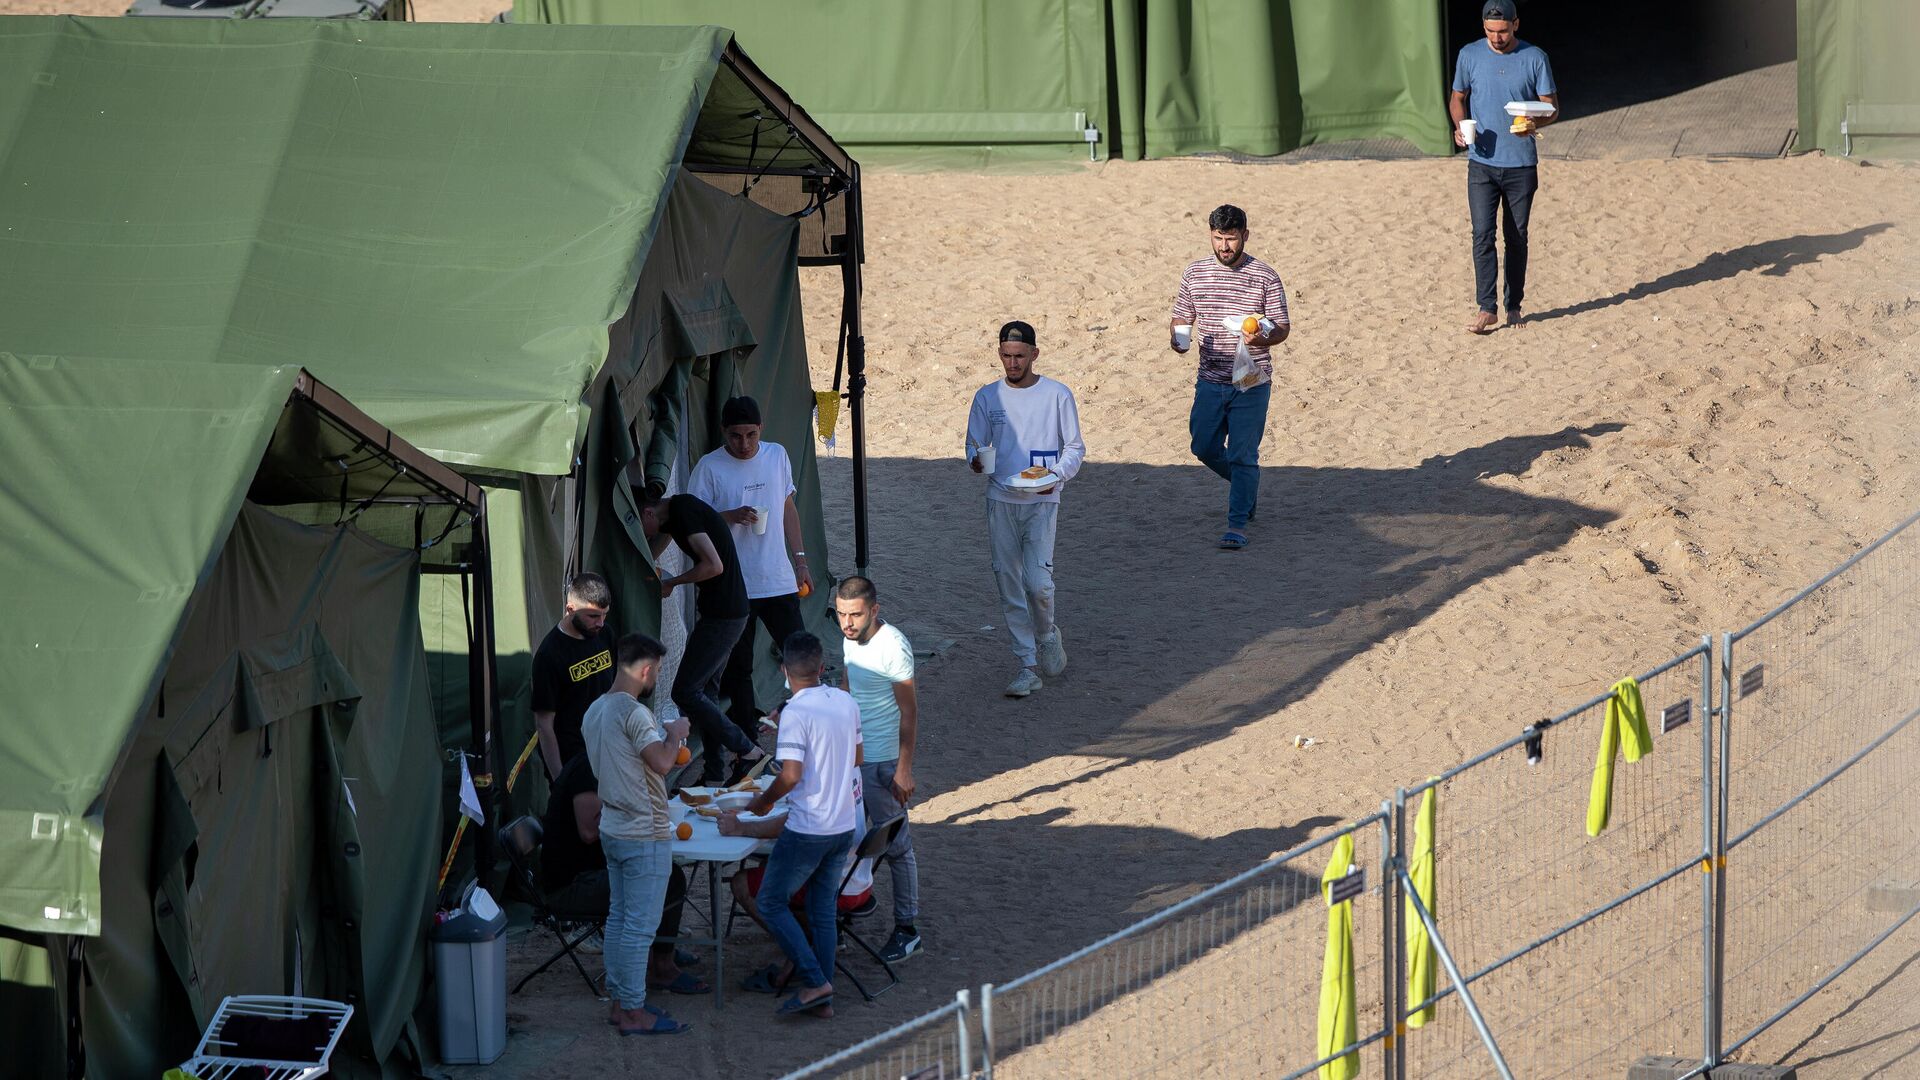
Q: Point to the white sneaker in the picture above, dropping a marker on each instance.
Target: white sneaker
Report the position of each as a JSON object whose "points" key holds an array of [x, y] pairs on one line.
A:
{"points": [[1053, 654], [1024, 683]]}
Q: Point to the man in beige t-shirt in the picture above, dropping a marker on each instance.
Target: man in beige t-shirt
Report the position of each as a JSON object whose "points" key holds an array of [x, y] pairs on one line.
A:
{"points": [[631, 753]]}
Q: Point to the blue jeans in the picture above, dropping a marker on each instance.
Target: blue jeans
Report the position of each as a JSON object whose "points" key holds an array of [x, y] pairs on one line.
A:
{"points": [[1488, 187], [637, 872], [815, 863], [1227, 424]]}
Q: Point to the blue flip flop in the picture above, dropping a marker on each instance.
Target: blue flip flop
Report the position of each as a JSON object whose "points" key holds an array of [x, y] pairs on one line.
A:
{"points": [[794, 1005], [1232, 541], [662, 1025]]}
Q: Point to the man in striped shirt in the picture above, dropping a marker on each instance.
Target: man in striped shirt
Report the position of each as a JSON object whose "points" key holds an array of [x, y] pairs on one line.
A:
{"points": [[1228, 420]]}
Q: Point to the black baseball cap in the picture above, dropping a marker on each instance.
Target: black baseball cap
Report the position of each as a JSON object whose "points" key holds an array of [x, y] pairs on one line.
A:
{"points": [[1498, 9], [1020, 332]]}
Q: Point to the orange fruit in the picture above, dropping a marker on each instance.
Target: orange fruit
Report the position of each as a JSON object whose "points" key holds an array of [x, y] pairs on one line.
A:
{"points": [[806, 588], [685, 755], [1250, 325], [684, 832]]}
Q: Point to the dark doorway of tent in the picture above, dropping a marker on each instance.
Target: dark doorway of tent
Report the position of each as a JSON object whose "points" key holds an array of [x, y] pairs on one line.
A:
{"points": [[1641, 79]]}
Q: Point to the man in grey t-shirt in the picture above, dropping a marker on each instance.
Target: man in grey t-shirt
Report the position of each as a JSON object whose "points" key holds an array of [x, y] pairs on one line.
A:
{"points": [[1502, 160]]}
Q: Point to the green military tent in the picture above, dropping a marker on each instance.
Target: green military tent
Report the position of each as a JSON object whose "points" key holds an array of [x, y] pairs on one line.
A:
{"points": [[1056, 78], [542, 255], [1859, 77], [217, 707]]}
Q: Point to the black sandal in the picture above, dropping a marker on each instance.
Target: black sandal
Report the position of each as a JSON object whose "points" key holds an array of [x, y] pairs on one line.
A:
{"points": [[765, 981]]}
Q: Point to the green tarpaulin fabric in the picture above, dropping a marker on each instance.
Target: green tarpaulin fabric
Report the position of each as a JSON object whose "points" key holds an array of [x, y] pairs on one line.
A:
{"points": [[1155, 77], [96, 584], [439, 221], [1857, 65]]}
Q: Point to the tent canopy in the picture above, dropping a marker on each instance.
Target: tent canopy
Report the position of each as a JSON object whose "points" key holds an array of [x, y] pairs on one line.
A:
{"points": [[123, 479], [1859, 83], [442, 220]]}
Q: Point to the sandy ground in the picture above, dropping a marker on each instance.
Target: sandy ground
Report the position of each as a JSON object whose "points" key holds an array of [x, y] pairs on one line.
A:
{"points": [[1711, 405]]}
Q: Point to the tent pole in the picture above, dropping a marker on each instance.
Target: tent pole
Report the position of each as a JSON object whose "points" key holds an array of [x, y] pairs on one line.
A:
{"points": [[486, 718], [856, 373]]}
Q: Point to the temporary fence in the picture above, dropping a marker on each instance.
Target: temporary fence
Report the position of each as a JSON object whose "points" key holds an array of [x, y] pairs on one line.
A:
{"points": [[1242, 962], [1646, 874], [1552, 926], [936, 1046], [1818, 771]]}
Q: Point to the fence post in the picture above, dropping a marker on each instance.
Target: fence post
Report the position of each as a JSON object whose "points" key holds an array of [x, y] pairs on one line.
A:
{"points": [[986, 1030], [1459, 980], [1709, 987], [1715, 1016], [1396, 957], [1389, 955], [960, 1021]]}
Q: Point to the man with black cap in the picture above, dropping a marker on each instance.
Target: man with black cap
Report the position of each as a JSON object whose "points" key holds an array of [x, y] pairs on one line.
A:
{"points": [[755, 477], [1502, 159], [1029, 424]]}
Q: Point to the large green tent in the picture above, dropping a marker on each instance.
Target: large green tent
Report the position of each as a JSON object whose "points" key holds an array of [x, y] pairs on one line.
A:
{"points": [[217, 710], [1056, 78], [540, 254], [1859, 77]]}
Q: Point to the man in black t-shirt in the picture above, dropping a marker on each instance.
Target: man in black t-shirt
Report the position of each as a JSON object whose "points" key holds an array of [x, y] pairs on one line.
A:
{"points": [[573, 871], [571, 669], [722, 609]]}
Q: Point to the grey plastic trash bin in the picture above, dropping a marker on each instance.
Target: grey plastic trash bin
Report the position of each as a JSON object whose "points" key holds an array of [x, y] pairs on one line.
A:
{"points": [[470, 969]]}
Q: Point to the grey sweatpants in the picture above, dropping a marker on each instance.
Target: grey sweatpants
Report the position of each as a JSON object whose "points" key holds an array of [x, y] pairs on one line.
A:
{"points": [[1022, 536]]}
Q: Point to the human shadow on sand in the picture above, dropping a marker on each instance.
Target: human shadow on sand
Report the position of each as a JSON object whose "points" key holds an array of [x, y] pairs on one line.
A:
{"points": [[1343, 559], [1773, 258]]}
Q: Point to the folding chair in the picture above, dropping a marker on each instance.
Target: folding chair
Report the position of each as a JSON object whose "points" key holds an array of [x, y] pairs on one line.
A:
{"points": [[874, 846], [274, 1038], [521, 839]]}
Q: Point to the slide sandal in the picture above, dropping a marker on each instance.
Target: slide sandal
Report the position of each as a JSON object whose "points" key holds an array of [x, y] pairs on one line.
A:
{"points": [[1232, 541], [794, 1005]]}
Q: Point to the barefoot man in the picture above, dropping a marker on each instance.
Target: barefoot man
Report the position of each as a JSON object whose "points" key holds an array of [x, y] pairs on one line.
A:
{"points": [[1502, 159], [1227, 420]]}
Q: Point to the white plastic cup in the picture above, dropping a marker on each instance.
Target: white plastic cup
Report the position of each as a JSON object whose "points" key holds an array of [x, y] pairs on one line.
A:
{"points": [[1469, 131], [985, 455], [760, 515], [1183, 337]]}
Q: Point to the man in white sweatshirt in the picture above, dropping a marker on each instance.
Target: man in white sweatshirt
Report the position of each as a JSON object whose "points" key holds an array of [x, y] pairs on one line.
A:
{"points": [[1029, 421]]}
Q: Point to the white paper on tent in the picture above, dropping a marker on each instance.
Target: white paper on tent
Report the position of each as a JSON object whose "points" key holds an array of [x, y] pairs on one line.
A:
{"points": [[469, 798], [1529, 108]]}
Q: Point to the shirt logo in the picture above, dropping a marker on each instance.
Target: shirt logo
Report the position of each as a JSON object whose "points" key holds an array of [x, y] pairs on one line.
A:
{"points": [[592, 665], [1049, 458]]}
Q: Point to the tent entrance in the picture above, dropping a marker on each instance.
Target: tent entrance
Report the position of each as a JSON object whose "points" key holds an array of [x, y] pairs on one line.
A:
{"points": [[1640, 79]]}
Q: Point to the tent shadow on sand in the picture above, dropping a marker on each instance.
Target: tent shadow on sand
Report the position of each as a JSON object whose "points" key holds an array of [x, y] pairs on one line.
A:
{"points": [[1772, 258], [1344, 559]]}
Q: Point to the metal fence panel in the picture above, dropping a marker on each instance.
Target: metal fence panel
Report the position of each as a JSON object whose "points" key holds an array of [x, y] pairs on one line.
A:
{"points": [[1226, 983], [1822, 759], [937, 1046], [1583, 953]]}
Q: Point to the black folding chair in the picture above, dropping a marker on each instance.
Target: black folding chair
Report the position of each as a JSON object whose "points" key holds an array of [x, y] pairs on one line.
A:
{"points": [[874, 846], [521, 839]]}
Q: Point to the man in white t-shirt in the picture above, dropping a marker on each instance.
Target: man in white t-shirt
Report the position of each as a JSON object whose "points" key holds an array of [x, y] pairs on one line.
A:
{"points": [[1030, 422], [819, 754], [740, 479], [880, 678]]}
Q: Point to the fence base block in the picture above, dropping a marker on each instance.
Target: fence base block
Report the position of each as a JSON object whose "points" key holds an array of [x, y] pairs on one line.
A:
{"points": [[1666, 1068]]}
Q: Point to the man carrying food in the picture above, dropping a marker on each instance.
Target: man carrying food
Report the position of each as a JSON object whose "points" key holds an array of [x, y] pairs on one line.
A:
{"points": [[1502, 158], [1231, 304], [1024, 434]]}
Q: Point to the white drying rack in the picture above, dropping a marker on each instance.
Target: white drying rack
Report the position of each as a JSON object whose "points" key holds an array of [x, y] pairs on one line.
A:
{"points": [[219, 1058]]}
